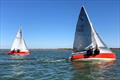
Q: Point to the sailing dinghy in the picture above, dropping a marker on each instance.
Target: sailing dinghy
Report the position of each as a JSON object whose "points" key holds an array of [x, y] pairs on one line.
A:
{"points": [[19, 46], [86, 39]]}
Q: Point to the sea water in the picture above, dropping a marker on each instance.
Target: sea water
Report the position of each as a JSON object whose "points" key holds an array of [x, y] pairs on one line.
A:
{"points": [[55, 65]]}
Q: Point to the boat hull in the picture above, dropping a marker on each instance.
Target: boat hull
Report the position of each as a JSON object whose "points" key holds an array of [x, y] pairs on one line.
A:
{"points": [[19, 53], [99, 57]]}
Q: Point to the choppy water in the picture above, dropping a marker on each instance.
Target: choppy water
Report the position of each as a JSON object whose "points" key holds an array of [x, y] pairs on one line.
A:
{"points": [[55, 65]]}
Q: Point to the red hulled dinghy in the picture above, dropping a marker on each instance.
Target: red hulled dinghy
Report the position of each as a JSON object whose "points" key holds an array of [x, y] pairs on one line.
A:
{"points": [[18, 46], [87, 43]]}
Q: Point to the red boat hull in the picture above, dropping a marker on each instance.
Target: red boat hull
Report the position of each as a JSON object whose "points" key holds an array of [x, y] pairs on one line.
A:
{"points": [[101, 56], [20, 53]]}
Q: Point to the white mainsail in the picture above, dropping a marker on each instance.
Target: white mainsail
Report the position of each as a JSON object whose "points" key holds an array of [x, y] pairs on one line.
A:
{"points": [[86, 36], [19, 42]]}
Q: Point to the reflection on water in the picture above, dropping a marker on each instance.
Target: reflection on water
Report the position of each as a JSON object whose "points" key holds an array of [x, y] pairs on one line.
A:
{"points": [[17, 56], [93, 70]]}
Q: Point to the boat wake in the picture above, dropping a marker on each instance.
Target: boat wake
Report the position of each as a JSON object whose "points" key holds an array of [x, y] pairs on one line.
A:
{"points": [[31, 61], [53, 60]]}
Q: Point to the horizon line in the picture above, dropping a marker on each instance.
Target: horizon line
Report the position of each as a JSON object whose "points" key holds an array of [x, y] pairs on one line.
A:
{"points": [[53, 48]]}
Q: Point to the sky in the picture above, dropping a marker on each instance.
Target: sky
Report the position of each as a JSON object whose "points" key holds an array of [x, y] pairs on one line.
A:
{"points": [[52, 23]]}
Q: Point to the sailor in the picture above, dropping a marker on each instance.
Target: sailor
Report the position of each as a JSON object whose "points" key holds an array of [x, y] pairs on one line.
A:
{"points": [[96, 51], [89, 52], [18, 50]]}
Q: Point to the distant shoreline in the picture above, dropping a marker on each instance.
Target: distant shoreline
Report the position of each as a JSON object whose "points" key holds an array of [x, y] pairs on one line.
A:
{"points": [[58, 49], [115, 48]]}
